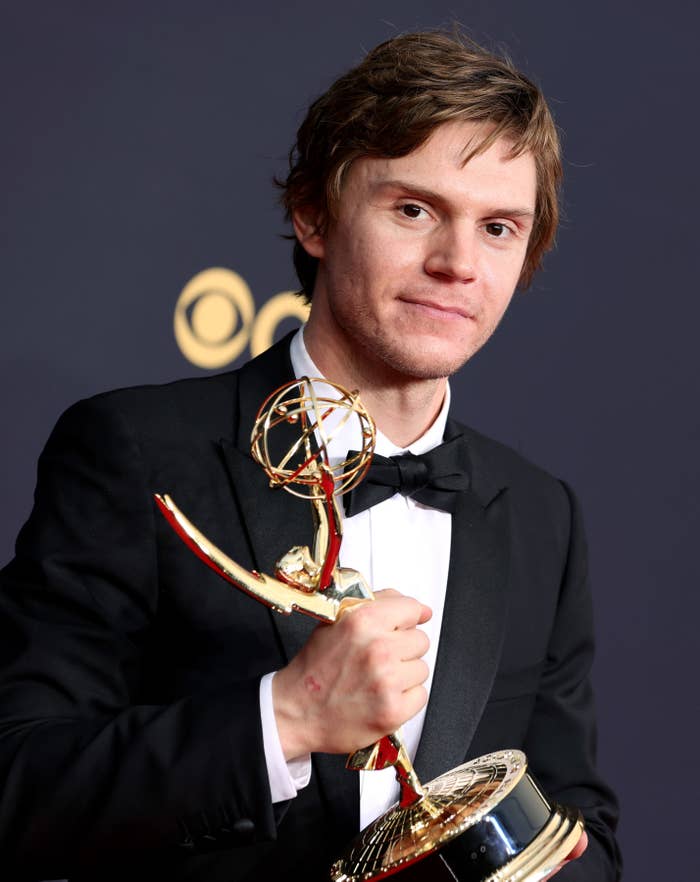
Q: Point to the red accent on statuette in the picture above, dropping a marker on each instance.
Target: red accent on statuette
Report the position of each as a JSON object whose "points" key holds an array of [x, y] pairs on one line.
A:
{"points": [[387, 753], [320, 453], [334, 539], [192, 545], [290, 479]]}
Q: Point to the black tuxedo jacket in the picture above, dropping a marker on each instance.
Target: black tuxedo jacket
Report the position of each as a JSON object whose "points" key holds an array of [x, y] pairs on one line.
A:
{"points": [[130, 738]]}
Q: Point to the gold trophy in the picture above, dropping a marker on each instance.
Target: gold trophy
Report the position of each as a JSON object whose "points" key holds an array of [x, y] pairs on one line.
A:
{"points": [[484, 821]]}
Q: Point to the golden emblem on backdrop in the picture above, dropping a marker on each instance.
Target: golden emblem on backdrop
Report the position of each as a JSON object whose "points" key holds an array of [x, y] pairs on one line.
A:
{"points": [[215, 318]]}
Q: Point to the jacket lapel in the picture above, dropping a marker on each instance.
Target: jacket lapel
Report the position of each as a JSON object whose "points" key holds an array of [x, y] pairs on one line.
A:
{"points": [[474, 616], [275, 521]]}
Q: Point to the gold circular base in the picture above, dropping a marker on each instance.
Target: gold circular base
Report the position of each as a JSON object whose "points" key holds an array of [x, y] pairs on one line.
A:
{"points": [[454, 802]]}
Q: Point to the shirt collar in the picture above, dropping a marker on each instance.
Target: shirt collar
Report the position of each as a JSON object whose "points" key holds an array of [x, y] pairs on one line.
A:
{"points": [[347, 437]]}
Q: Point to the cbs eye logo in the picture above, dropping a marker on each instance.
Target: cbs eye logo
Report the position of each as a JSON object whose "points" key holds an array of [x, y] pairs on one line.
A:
{"points": [[215, 318]]}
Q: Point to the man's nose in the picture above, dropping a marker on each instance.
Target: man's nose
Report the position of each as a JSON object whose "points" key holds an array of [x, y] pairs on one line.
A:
{"points": [[453, 253]]}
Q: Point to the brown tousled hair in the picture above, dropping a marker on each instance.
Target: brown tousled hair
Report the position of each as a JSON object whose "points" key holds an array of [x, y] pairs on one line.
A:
{"points": [[390, 104]]}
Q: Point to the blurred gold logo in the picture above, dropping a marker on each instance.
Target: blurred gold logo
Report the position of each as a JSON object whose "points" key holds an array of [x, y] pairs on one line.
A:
{"points": [[215, 318]]}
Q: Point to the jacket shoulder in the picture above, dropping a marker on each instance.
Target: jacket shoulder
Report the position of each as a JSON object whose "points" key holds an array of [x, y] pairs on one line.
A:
{"points": [[495, 466], [200, 405], [194, 408]]}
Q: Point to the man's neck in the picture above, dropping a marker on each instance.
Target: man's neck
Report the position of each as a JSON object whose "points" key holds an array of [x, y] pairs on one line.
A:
{"points": [[403, 408]]}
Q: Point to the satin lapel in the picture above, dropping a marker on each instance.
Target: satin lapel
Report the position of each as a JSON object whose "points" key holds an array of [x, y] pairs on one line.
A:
{"points": [[275, 521], [473, 623]]}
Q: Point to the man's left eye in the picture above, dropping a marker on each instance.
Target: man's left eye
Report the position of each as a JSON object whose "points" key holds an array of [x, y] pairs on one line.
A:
{"points": [[411, 210], [497, 230]]}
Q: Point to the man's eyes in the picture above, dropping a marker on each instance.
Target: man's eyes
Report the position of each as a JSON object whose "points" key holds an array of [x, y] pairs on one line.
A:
{"points": [[498, 230], [411, 210], [495, 229]]}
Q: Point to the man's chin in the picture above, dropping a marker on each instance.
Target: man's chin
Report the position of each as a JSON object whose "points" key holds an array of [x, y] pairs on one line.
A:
{"points": [[427, 367], [431, 358]]}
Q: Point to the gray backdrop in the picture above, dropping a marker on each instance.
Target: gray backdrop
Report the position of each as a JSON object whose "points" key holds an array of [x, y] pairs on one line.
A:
{"points": [[139, 141]]}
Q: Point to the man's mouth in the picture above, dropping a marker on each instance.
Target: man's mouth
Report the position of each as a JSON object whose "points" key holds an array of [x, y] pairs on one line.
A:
{"points": [[439, 308]]}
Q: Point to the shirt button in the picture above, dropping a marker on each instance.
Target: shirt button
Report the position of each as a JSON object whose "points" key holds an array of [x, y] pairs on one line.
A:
{"points": [[243, 829]]}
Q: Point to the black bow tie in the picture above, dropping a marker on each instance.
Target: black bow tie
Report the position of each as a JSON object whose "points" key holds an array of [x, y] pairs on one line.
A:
{"points": [[433, 479]]}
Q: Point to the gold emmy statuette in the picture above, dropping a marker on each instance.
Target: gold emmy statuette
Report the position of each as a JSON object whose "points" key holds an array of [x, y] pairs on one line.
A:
{"points": [[486, 820]]}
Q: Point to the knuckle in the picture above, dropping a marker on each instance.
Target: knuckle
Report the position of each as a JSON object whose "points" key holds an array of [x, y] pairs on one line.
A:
{"points": [[387, 717], [416, 606], [377, 656], [355, 623], [385, 593]]}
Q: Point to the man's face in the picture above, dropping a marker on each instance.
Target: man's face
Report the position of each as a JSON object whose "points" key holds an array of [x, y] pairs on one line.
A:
{"points": [[422, 260]]}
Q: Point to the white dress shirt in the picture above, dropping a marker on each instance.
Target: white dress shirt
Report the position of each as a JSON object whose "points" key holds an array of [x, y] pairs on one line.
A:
{"points": [[398, 544]]}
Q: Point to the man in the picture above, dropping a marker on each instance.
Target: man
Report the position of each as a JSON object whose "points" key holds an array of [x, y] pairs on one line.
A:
{"points": [[155, 722]]}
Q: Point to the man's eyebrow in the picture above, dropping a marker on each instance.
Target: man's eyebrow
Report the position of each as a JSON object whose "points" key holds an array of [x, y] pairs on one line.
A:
{"points": [[512, 212], [431, 196], [407, 187]]}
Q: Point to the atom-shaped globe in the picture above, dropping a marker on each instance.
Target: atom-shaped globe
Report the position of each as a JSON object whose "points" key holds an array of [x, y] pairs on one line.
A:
{"points": [[318, 410]]}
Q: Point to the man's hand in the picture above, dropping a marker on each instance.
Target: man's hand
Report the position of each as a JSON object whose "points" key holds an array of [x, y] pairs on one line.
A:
{"points": [[354, 681], [578, 850]]}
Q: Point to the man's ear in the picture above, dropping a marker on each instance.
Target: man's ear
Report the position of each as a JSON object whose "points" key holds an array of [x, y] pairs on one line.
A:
{"points": [[307, 227]]}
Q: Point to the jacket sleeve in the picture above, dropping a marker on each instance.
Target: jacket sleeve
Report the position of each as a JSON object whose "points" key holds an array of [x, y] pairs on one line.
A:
{"points": [[84, 768], [561, 740]]}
